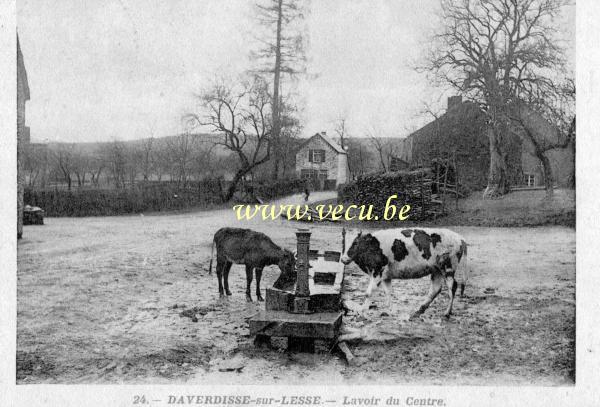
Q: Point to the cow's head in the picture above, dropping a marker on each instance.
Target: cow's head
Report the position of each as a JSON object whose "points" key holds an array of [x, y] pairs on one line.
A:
{"points": [[287, 261], [287, 265], [366, 252]]}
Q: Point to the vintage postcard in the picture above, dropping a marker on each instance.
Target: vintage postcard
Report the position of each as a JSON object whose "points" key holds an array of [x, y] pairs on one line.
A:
{"points": [[300, 202]]}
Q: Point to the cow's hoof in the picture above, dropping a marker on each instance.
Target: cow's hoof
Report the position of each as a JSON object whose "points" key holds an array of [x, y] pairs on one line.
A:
{"points": [[446, 316], [259, 298], [221, 295], [228, 292], [249, 299]]}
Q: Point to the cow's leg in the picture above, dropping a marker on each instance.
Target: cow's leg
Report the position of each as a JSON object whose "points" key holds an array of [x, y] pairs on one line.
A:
{"points": [[387, 289], [258, 271], [374, 282], [220, 266], [451, 284], [434, 290], [248, 282], [226, 277]]}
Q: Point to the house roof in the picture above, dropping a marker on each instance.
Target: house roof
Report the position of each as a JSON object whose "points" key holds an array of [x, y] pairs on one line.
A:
{"points": [[21, 72], [328, 140], [465, 111]]}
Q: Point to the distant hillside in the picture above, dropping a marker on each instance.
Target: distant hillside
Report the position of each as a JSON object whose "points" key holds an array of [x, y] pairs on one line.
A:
{"points": [[91, 147], [363, 155]]}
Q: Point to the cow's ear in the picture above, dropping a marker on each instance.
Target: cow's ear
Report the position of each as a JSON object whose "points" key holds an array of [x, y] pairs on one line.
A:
{"points": [[359, 233]]}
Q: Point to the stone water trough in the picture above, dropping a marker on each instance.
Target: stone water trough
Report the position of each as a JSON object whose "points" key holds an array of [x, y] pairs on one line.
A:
{"points": [[309, 310]]}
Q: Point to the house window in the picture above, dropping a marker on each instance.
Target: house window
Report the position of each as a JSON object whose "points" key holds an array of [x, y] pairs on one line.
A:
{"points": [[316, 156], [322, 174], [308, 174], [530, 180]]}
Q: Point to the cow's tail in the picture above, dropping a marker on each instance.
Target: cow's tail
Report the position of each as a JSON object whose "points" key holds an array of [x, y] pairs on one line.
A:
{"points": [[463, 268], [212, 249]]}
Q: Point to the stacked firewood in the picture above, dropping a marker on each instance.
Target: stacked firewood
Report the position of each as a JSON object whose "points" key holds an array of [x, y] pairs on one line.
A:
{"points": [[412, 188]]}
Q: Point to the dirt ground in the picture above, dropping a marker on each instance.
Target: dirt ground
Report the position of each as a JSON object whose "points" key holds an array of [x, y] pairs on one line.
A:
{"points": [[129, 300]]}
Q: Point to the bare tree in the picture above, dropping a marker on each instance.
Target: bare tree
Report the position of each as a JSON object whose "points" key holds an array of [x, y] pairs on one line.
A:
{"points": [[133, 161], [64, 161], [240, 115], [161, 162], [543, 136], [384, 147], [202, 163], [181, 150], [495, 52], [281, 52], [35, 163], [379, 146], [115, 157], [341, 129], [97, 164], [81, 164], [147, 157]]}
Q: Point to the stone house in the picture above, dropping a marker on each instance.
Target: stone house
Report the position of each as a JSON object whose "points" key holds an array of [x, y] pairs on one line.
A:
{"points": [[461, 130], [322, 161], [458, 134], [22, 133]]}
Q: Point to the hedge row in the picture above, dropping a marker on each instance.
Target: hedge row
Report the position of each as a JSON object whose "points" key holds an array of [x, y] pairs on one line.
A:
{"points": [[144, 197], [276, 189], [411, 187]]}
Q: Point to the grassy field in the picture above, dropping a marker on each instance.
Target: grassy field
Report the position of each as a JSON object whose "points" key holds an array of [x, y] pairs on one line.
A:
{"points": [[516, 209]]}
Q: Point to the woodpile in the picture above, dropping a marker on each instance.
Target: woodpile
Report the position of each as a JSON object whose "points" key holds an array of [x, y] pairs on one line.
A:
{"points": [[413, 188]]}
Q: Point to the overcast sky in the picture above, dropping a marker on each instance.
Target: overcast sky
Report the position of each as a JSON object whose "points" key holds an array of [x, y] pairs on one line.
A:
{"points": [[122, 69]]}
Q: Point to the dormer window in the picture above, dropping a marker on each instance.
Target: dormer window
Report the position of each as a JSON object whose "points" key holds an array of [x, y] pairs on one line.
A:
{"points": [[316, 156]]}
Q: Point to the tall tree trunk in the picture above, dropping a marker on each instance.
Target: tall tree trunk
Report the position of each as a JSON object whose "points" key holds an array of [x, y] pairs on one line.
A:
{"points": [[234, 182], [382, 160], [498, 174], [276, 102], [548, 177]]}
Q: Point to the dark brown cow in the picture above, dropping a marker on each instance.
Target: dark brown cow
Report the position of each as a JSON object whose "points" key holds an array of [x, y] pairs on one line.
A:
{"points": [[255, 250]]}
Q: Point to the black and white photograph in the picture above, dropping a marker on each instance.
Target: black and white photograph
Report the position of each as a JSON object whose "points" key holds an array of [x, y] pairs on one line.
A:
{"points": [[298, 192]]}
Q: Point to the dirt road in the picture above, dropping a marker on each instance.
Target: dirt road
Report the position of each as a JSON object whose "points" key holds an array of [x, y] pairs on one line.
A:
{"points": [[114, 300]]}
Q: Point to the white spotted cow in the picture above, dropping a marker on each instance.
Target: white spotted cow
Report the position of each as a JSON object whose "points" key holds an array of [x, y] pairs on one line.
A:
{"points": [[411, 253]]}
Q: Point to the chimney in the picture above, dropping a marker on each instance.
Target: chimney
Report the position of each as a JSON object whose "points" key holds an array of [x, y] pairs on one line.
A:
{"points": [[454, 102]]}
